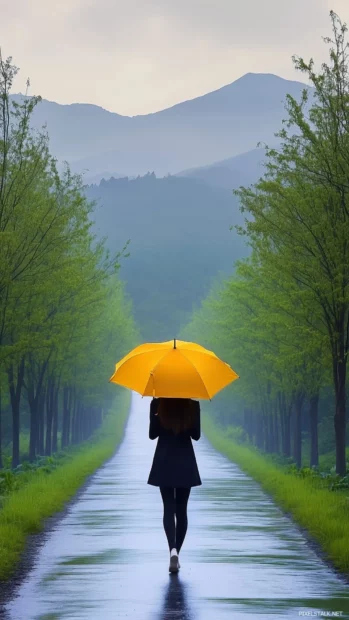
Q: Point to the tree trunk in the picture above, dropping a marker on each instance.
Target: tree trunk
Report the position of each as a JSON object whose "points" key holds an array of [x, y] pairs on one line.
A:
{"points": [[69, 418], [314, 444], [75, 421], [15, 396], [286, 426], [282, 426], [79, 423], [33, 423], [276, 430], [41, 422], [34, 393], [49, 415], [260, 433], [245, 423], [265, 426], [251, 426], [339, 371], [297, 437], [73, 406], [55, 421], [1, 465], [87, 422], [272, 430], [269, 438], [66, 416]]}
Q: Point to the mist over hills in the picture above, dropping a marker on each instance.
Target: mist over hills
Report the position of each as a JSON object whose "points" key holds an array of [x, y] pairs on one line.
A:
{"points": [[179, 225], [210, 128], [230, 173], [180, 241]]}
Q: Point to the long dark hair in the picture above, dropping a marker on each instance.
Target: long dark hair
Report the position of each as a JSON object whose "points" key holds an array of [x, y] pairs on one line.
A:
{"points": [[176, 414]]}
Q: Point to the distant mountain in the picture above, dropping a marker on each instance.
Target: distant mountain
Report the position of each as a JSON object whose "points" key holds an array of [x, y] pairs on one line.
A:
{"points": [[230, 173], [210, 128], [180, 241]]}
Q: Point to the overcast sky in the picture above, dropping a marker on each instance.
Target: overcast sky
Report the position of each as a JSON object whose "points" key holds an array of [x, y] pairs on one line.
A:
{"points": [[140, 56]]}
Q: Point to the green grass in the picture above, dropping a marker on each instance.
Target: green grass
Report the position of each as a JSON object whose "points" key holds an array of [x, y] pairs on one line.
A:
{"points": [[24, 510], [323, 513]]}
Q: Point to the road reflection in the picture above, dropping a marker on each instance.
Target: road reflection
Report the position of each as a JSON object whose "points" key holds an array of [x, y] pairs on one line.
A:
{"points": [[176, 604]]}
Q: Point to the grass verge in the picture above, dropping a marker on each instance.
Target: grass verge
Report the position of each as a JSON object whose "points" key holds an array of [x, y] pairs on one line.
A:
{"points": [[323, 513], [24, 511]]}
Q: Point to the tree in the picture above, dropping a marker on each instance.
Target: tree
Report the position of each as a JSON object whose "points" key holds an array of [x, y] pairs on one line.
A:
{"points": [[59, 290], [300, 210]]}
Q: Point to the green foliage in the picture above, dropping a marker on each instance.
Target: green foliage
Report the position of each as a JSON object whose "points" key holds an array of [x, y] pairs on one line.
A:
{"points": [[329, 480], [65, 318], [341, 483], [235, 433], [13, 479], [282, 320], [9, 482], [298, 221]]}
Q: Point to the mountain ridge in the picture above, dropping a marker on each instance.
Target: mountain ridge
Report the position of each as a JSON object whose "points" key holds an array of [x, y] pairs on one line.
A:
{"points": [[196, 98], [196, 132]]}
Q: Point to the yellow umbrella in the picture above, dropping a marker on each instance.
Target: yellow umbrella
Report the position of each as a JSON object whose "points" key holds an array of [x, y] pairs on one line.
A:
{"points": [[173, 369]]}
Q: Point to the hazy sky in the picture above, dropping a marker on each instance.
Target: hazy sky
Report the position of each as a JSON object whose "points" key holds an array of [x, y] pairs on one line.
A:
{"points": [[138, 56]]}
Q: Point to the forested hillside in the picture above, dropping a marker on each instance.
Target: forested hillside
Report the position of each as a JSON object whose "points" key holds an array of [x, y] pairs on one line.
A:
{"points": [[230, 173], [180, 239]]}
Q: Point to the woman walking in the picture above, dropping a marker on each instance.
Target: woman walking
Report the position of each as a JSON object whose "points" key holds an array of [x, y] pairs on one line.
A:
{"points": [[175, 421]]}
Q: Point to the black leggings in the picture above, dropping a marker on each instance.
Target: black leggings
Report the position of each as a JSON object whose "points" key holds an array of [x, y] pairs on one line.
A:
{"points": [[175, 503]]}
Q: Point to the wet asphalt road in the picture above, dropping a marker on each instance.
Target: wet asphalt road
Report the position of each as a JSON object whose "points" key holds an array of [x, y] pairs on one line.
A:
{"points": [[108, 557]]}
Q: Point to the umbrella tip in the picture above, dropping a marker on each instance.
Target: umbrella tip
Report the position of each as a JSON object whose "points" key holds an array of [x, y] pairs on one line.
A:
{"points": [[174, 346]]}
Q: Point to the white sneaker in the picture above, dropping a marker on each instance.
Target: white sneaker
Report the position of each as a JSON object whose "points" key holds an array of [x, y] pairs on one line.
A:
{"points": [[173, 568]]}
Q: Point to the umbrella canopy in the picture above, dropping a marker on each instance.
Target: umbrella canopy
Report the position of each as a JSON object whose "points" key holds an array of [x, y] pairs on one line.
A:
{"points": [[173, 369]]}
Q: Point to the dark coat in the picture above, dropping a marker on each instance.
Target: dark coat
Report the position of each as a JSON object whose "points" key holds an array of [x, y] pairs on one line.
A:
{"points": [[174, 462]]}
